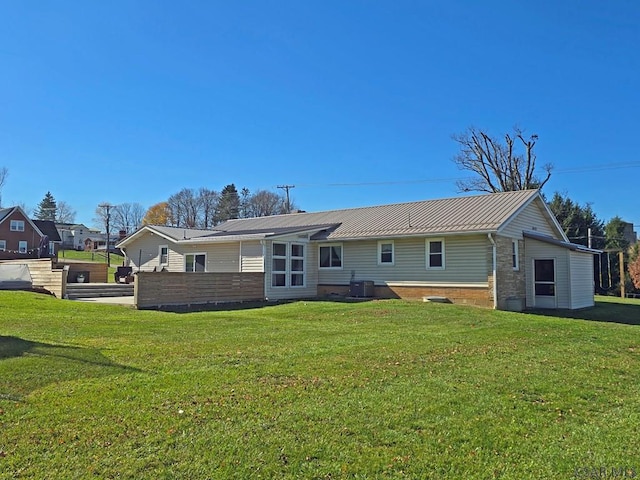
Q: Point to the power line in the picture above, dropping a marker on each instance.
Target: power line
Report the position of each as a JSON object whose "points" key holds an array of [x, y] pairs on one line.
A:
{"points": [[591, 168]]}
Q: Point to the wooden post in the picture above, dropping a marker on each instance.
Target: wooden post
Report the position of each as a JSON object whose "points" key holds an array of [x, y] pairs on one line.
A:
{"points": [[621, 257]]}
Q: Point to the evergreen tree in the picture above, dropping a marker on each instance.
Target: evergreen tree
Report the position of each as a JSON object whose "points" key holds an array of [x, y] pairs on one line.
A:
{"points": [[47, 209], [576, 220], [229, 204]]}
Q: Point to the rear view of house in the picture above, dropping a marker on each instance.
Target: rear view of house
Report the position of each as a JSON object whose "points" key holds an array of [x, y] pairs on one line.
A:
{"points": [[503, 250]]}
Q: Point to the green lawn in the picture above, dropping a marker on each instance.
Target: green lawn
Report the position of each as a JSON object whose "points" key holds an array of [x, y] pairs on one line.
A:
{"points": [[381, 389]]}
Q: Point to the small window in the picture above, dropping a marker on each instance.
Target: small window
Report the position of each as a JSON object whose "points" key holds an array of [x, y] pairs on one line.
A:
{"points": [[435, 254], [385, 252], [514, 255], [17, 226], [331, 256], [3, 245], [164, 254], [22, 246]]}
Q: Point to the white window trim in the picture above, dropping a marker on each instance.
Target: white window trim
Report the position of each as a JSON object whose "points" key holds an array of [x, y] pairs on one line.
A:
{"points": [[341, 255], [160, 262], [26, 246], [302, 272], [393, 252], [280, 257], [15, 225], [428, 253], [194, 255], [288, 258], [3, 245], [515, 253]]}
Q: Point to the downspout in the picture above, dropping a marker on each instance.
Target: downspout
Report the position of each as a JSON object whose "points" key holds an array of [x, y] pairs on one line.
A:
{"points": [[495, 276], [264, 268]]}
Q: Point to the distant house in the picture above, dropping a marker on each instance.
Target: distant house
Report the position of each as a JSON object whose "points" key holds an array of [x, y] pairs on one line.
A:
{"points": [[73, 235], [21, 237], [503, 250], [98, 241]]}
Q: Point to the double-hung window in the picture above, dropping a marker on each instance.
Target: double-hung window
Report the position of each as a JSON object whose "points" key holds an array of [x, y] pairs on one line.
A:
{"points": [[331, 256], [163, 254], [3, 245], [385, 252], [16, 226], [22, 246], [514, 255], [435, 253]]}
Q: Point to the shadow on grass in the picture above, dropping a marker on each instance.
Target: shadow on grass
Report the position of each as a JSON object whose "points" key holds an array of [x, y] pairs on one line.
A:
{"points": [[230, 306], [603, 311], [26, 366]]}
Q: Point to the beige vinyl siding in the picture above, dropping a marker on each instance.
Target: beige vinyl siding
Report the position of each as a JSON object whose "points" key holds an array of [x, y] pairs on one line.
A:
{"points": [[530, 218], [143, 253], [251, 259], [309, 289], [535, 249], [221, 257], [465, 262], [581, 279]]}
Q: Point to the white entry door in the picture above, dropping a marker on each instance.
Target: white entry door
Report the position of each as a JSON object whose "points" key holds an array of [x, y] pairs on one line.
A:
{"points": [[544, 274]]}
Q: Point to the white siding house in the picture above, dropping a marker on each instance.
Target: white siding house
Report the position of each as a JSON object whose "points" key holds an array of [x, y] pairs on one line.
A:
{"points": [[495, 250]]}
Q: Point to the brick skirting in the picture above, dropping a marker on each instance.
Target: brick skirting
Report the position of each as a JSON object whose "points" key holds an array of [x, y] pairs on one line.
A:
{"points": [[480, 296]]}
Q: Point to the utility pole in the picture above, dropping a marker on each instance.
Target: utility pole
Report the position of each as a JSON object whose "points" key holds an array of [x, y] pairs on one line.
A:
{"points": [[286, 188], [622, 290], [107, 208]]}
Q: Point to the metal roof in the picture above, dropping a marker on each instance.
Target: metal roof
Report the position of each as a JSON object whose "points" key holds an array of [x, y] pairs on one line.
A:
{"points": [[470, 214], [553, 241]]}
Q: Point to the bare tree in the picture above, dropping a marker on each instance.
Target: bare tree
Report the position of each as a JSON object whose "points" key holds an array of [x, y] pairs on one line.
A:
{"points": [[4, 173], [264, 203], [208, 205], [127, 216], [64, 213], [185, 208], [497, 165]]}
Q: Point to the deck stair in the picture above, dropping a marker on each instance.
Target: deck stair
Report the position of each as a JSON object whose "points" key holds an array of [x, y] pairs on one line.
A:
{"points": [[92, 290]]}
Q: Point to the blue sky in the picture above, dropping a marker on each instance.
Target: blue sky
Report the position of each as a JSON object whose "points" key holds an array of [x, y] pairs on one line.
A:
{"points": [[131, 101]]}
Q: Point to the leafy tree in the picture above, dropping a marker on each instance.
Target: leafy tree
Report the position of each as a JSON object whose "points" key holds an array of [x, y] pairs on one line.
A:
{"points": [[616, 242], [634, 265], [229, 204], [158, 214], [576, 220], [47, 208], [614, 231], [496, 165]]}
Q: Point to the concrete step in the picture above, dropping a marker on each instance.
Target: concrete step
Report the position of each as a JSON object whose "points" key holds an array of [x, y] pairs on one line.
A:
{"points": [[89, 290]]}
